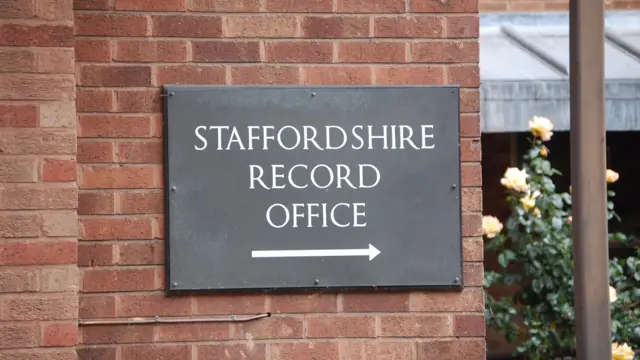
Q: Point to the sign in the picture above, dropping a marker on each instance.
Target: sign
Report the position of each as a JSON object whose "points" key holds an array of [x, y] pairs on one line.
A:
{"points": [[281, 188]]}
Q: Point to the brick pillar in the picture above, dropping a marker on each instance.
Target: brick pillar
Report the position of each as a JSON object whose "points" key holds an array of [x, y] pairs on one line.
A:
{"points": [[38, 192]]}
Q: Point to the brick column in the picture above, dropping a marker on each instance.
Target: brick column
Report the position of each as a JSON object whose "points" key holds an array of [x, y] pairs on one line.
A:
{"points": [[38, 192]]}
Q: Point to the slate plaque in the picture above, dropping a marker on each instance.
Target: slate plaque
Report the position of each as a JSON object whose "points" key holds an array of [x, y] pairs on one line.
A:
{"points": [[284, 188]]}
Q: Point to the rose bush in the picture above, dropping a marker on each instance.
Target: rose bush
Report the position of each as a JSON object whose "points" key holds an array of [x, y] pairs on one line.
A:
{"points": [[534, 252]]}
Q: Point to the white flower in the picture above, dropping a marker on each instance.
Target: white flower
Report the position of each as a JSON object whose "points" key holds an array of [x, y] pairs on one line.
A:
{"points": [[491, 226], [622, 352], [515, 179], [541, 127], [613, 294]]}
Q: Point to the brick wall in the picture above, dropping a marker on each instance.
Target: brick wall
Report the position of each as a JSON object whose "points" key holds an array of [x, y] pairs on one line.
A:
{"points": [[124, 51], [548, 5], [38, 194]]}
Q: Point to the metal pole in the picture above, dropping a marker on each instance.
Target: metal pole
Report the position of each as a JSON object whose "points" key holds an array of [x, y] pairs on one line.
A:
{"points": [[588, 165]]}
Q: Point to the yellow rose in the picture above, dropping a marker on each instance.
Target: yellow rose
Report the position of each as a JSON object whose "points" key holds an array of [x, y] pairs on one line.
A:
{"points": [[621, 352], [491, 226], [515, 179], [541, 127], [536, 212], [570, 219], [544, 151], [613, 294], [529, 201], [612, 176]]}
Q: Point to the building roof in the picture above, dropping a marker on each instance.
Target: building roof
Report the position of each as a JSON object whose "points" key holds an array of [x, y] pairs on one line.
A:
{"points": [[524, 70]]}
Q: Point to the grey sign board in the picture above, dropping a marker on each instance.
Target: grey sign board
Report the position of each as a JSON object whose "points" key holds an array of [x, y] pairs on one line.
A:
{"points": [[284, 188]]}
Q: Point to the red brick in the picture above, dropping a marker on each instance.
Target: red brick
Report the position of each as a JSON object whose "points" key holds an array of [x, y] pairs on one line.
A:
{"points": [[16, 115], [226, 51], [225, 5], [469, 299], [464, 26], [409, 75], [303, 303], [372, 52], [97, 306], [111, 24], [147, 202], [151, 51], [299, 52], [42, 196], [116, 228], [193, 332], [471, 199], [304, 350], [114, 75], [18, 170], [260, 26], [332, 27], [445, 52], [125, 279], [141, 253], [471, 224], [151, 5], [16, 226], [18, 60], [156, 352], [58, 170], [437, 6], [95, 151], [190, 74], [95, 254], [377, 350], [469, 325], [299, 5], [473, 249], [65, 334], [137, 101], [338, 75], [464, 75], [36, 87], [154, 304], [471, 150], [231, 304], [18, 280], [372, 6], [90, 100], [341, 327], [13, 9], [375, 302], [471, 174], [36, 35], [416, 326], [274, 327], [54, 9], [150, 151], [490, 6], [470, 125], [117, 334], [96, 353], [95, 126], [421, 26], [92, 5], [452, 349], [265, 74], [187, 25], [37, 253], [245, 351], [17, 335], [39, 307], [470, 100], [55, 61], [473, 274], [525, 6]]}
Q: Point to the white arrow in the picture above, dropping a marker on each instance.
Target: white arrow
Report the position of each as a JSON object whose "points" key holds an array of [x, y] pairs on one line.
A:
{"points": [[371, 252]]}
